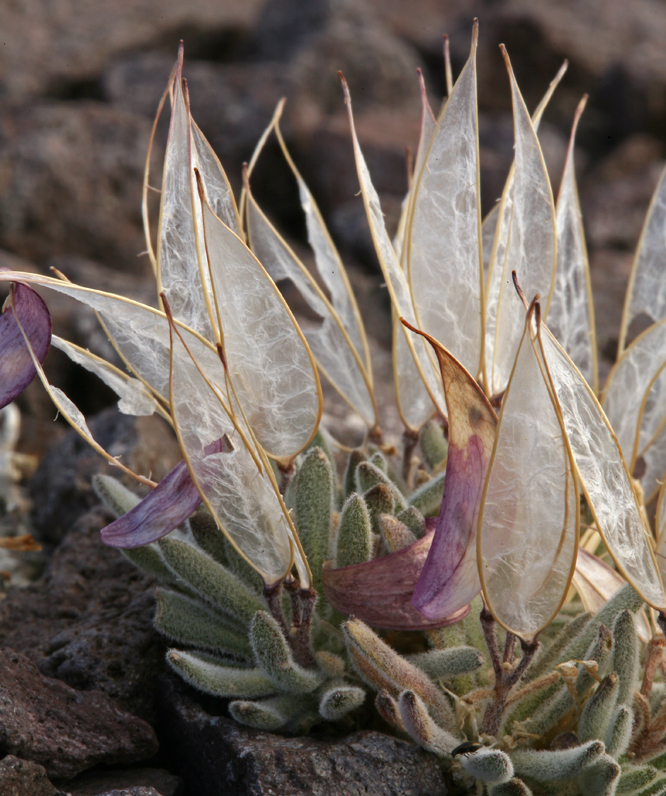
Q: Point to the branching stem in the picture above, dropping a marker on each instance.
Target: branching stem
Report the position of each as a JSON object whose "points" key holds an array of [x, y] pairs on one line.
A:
{"points": [[507, 674]]}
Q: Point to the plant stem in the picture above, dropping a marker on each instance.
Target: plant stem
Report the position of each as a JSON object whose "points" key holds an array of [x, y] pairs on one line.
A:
{"points": [[507, 674]]}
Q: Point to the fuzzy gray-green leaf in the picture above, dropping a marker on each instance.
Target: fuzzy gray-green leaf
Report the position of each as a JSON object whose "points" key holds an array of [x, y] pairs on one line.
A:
{"points": [[599, 778], [148, 559], [189, 622], [635, 778], [488, 765], [625, 656], [267, 714], [367, 476], [395, 535], [349, 480], [619, 731], [353, 540], [340, 700], [273, 654], [209, 537], [428, 498], [214, 677], [556, 766], [115, 496], [596, 716], [379, 500], [433, 444], [447, 662], [313, 505], [414, 520], [211, 580]]}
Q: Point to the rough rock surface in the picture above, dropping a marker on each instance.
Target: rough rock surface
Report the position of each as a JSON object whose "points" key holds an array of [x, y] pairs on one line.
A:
{"points": [[24, 778], [66, 731], [86, 160], [94, 783], [217, 757], [88, 620]]}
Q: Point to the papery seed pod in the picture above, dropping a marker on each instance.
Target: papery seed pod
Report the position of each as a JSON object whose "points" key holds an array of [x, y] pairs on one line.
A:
{"points": [[313, 506], [636, 778], [625, 657], [514, 787], [340, 700], [273, 654], [367, 476], [433, 444], [414, 520], [382, 667], [422, 728], [209, 537], [619, 731], [211, 675], [396, 536], [448, 662], [560, 766], [349, 480], [599, 778], [353, 540], [116, 497], [210, 580], [267, 714], [187, 621], [428, 498], [488, 765], [389, 710], [596, 716], [379, 500]]}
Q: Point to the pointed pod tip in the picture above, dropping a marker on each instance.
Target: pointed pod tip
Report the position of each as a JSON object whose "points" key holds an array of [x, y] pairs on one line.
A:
{"points": [[475, 33]]}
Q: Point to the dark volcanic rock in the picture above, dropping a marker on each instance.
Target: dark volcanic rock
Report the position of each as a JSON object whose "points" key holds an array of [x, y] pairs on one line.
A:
{"points": [[24, 778], [61, 488], [66, 731], [139, 790], [216, 757], [96, 783], [88, 620]]}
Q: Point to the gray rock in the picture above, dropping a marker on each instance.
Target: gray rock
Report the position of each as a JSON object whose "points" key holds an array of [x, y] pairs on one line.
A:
{"points": [[24, 778], [66, 731], [70, 180], [88, 620], [216, 757], [136, 791], [94, 783]]}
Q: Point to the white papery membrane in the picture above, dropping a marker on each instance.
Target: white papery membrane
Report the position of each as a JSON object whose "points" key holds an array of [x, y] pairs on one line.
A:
{"points": [[414, 403], [604, 476], [494, 261], [634, 400], [274, 375], [529, 516], [530, 244], [646, 292], [139, 333], [444, 257], [571, 315], [178, 261], [330, 346], [135, 398], [395, 278], [238, 493]]}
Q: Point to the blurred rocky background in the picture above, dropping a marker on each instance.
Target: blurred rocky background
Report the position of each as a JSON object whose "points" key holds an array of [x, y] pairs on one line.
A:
{"points": [[80, 81]]}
